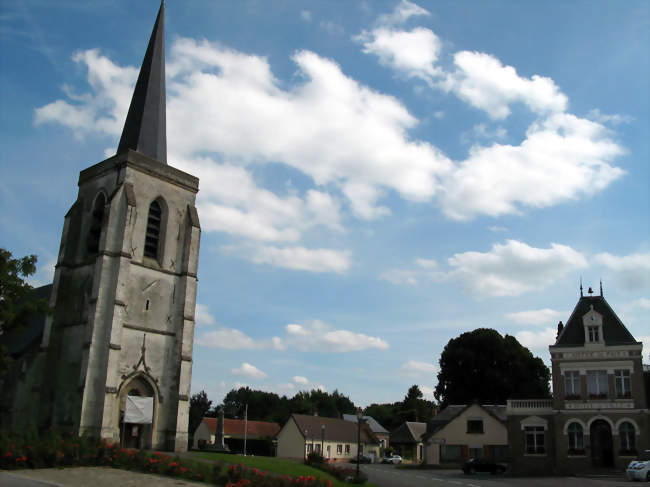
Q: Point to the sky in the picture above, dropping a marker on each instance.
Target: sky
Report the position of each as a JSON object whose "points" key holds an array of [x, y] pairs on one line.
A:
{"points": [[376, 178]]}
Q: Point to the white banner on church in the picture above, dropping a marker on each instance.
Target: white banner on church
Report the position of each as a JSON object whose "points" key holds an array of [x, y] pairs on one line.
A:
{"points": [[139, 410]]}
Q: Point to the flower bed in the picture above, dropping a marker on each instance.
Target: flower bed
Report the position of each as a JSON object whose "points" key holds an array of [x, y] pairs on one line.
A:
{"points": [[54, 450]]}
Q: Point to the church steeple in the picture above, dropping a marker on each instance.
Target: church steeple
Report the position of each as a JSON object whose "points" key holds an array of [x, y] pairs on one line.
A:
{"points": [[145, 129]]}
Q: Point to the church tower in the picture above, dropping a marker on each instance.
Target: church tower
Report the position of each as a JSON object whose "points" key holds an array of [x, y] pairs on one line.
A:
{"points": [[124, 290]]}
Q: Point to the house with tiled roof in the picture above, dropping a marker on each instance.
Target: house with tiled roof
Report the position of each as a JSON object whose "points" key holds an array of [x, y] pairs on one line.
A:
{"points": [[228, 434], [333, 438], [407, 440], [382, 434], [460, 432], [598, 417]]}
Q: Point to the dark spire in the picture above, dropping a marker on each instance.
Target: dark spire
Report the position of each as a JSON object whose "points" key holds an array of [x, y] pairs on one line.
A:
{"points": [[145, 129], [580, 286], [601, 288]]}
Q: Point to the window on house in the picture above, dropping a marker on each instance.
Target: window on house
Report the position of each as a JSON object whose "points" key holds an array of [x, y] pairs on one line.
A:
{"points": [[339, 449], [95, 230], [594, 333], [626, 433], [317, 447], [310, 447], [154, 224], [623, 384], [347, 449], [597, 383], [576, 440], [534, 438], [572, 383], [475, 426]]}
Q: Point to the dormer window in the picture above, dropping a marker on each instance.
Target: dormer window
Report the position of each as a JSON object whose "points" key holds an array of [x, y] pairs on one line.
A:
{"points": [[593, 323], [593, 333]]}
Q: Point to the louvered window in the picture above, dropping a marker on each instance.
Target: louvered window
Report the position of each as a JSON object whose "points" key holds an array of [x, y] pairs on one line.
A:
{"points": [[154, 223], [95, 230]]}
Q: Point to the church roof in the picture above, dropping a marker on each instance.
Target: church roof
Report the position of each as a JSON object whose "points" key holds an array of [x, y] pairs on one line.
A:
{"points": [[614, 331], [145, 129]]}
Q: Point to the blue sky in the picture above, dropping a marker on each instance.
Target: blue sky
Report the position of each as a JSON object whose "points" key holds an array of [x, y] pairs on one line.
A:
{"points": [[376, 177]]}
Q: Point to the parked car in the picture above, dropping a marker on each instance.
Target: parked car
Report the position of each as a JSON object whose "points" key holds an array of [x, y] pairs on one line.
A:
{"points": [[363, 459], [639, 469], [474, 465], [392, 459]]}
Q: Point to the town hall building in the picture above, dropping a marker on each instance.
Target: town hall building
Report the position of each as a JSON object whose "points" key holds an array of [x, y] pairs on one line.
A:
{"points": [[124, 292], [598, 417]]}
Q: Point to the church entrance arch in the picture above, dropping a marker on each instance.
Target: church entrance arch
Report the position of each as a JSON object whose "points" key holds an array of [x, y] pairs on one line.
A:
{"points": [[602, 446], [136, 435]]}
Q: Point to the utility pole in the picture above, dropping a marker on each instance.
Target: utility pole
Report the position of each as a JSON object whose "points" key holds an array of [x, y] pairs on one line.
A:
{"points": [[245, 427]]}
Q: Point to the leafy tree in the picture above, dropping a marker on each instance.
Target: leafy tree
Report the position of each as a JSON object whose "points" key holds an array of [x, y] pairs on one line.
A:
{"points": [[414, 407], [484, 366], [199, 408], [15, 304]]}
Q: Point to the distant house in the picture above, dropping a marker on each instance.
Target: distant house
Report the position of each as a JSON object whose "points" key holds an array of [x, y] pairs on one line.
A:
{"points": [[407, 440], [598, 416], [382, 434], [460, 432], [222, 433], [335, 439]]}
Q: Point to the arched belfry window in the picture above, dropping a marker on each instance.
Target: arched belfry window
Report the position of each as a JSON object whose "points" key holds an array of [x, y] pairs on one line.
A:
{"points": [[96, 219], [154, 231]]}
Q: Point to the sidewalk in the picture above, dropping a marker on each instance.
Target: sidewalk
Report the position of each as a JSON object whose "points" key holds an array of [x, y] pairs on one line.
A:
{"points": [[97, 477]]}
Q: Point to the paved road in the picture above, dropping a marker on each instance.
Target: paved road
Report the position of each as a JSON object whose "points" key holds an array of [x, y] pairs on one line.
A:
{"points": [[389, 476]]}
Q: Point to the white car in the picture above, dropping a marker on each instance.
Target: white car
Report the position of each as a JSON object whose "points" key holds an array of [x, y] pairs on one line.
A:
{"points": [[392, 459], [639, 469]]}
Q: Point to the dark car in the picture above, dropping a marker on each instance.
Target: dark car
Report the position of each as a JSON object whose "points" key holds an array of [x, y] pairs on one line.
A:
{"points": [[363, 459], [474, 465]]}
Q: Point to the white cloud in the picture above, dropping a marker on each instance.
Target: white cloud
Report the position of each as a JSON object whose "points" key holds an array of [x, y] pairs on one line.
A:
{"points": [[538, 342], [303, 259], [402, 12], [227, 338], [413, 53], [202, 315], [353, 142], [250, 371], [321, 337], [482, 81], [413, 368], [305, 15], [298, 379], [44, 274], [427, 392], [633, 270], [562, 157], [615, 119], [514, 268], [424, 269], [545, 316]]}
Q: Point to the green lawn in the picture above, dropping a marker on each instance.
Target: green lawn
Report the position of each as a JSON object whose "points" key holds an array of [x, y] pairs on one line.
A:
{"points": [[280, 466]]}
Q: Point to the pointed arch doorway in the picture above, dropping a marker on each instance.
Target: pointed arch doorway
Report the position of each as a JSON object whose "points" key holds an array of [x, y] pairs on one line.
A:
{"points": [[132, 434], [602, 446]]}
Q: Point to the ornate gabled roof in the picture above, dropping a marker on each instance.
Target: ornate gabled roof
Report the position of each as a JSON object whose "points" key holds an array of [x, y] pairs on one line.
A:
{"points": [[145, 129], [614, 331]]}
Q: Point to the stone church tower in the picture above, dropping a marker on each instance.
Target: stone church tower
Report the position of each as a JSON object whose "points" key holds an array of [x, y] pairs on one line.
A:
{"points": [[124, 289]]}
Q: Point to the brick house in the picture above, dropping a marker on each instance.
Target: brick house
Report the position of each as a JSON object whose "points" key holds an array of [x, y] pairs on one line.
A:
{"points": [[598, 417]]}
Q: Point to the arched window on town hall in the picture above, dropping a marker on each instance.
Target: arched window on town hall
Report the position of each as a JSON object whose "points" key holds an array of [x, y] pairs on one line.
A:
{"points": [[155, 230], [576, 439], [626, 433], [95, 228]]}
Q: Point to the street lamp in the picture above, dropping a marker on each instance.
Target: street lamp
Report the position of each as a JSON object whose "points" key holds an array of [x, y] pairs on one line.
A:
{"points": [[322, 440], [359, 420]]}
